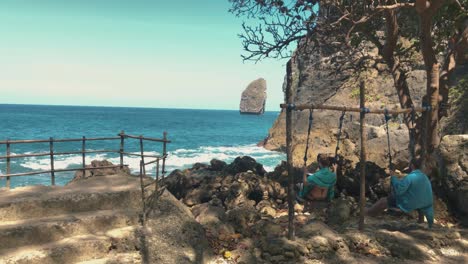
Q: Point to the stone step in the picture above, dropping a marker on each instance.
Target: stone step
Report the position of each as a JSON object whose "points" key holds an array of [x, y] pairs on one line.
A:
{"points": [[117, 258], [38, 231], [109, 193], [76, 248]]}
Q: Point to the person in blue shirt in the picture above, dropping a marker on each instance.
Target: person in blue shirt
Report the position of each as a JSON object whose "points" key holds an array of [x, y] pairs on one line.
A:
{"points": [[413, 192], [321, 184]]}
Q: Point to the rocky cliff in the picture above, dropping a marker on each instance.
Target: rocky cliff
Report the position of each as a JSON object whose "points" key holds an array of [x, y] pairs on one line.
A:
{"points": [[323, 74], [253, 98]]}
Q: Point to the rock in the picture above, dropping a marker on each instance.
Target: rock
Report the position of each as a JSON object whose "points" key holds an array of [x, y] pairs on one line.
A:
{"points": [[253, 98], [243, 164], [268, 211], [320, 244], [348, 180], [207, 214], [178, 183], [79, 175], [198, 166], [339, 211], [268, 229], [197, 196], [320, 74], [243, 218], [280, 174], [172, 235], [454, 176], [298, 208], [217, 165], [283, 247]]}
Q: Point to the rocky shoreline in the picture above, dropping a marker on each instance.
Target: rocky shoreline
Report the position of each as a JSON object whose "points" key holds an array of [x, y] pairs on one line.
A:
{"points": [[243, 211]]}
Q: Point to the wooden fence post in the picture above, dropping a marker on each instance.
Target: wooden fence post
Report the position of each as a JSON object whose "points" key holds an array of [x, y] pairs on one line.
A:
{"points": [[289, 153], [157, 174], [122, 133], [163, 172], [52, 170], [83, 154], [142, 168], [363, 154], [142, 155], [8, 169]]}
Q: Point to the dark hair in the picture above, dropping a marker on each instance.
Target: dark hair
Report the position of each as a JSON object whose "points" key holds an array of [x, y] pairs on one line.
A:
{"points": [[416, 163], [323, 160]]}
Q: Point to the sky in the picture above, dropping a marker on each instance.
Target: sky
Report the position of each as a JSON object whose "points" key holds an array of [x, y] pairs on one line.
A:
{"points": [[139, 53]]}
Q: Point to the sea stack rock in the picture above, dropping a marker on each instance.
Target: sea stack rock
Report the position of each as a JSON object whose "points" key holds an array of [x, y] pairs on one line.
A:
{"points": [[253, 98]]}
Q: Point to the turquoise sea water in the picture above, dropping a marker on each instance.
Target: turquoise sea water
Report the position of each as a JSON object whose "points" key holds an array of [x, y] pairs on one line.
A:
{"points": [[197, 136]]}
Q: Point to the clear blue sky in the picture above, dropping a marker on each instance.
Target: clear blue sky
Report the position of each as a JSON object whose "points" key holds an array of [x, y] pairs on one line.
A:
{"points": [[147, 53]]}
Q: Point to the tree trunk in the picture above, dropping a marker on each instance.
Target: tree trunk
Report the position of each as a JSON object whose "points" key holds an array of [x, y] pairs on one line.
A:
{"points": [[430, 140], [400, 80], [289, 152]]}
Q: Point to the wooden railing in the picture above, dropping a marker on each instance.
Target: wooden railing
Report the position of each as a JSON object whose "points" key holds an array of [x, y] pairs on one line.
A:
{"points": [[52, 154]]}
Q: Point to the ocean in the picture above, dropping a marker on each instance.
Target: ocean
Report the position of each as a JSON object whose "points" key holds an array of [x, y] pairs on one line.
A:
{"points": [[196, 135]]}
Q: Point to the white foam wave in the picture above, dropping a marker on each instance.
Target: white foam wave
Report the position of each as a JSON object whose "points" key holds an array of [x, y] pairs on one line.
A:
{"points": [[186, 157], [61, 162], [177, 159]]}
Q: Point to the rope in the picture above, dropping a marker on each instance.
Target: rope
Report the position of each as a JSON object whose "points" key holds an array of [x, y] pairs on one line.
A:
{"points": [[308, 137], [387, 118], [291, 107], [412, 133], [365, 110], [339, 136]]}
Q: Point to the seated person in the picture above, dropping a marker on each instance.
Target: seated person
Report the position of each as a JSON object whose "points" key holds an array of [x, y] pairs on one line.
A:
{"points": [[412, 192], [320, 185]]}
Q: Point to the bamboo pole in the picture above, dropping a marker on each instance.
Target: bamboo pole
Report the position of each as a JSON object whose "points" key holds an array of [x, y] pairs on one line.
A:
{"points": [[78, 152], [149, 139], [8, 169], [142, 155], [62, 170], [60, 153], [52, 170], [83, 154], [139, 155], [151, 162], [163, 172], [362, 121], [122, 133], [157, 175], [27, 141], [354, 109], [289, 100], [142, 168]]}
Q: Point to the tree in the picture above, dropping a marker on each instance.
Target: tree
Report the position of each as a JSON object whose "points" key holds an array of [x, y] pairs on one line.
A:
{"points": [[435, 27]]}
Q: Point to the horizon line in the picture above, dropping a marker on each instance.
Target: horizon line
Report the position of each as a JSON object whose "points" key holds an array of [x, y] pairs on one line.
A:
{"points": [[142, 107]]}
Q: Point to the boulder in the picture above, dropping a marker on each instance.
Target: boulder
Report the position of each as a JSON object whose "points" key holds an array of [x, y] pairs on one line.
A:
{"points": [[197, 196], [217, 165], [178, 183], [208, 214], [349, 178], [243, 164], [253, 98], [171, 234], [454, 170], [243, 218], [320, 74]]}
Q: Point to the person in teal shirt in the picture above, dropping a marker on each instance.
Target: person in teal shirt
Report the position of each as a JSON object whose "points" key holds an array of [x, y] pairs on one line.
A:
{"points": [[413, 192], [320, 185]]}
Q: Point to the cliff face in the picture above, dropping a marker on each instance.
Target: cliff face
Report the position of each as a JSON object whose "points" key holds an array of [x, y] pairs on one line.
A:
{"points": [[253, 98], [322, 73]]}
